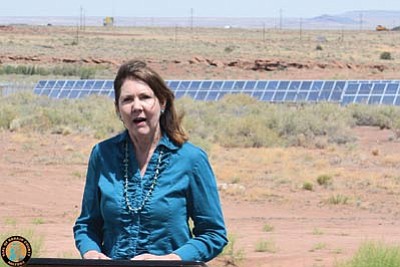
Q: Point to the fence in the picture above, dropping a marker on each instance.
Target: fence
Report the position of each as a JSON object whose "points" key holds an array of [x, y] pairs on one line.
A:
{"points": [[8, 88]]}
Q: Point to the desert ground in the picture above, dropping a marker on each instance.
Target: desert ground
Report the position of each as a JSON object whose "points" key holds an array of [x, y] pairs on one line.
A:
{"points": [[272, 220]]}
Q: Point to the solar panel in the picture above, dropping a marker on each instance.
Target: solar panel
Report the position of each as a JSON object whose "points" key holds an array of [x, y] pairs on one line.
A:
{"points": [[388, 99], [194, 85], [238, 85], [212, 96], [348, 99], [272, 85], [250, 85], [392, 88], [179, 94], [302, 96], [365, 89], [313, 96], [361, 99], [397, 101], [283, 85], [373, 92], [290, 96], [378, 88], [183, 85], [261, 85], [352, 88], [317, 85], [268, 95], [375, 99], [227, 85], [257, 94], [216, 85], [279, 96], [305, 85], [205, 85], [294, 85]]}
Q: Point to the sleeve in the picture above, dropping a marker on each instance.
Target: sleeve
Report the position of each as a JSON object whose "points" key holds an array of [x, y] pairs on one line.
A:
{"points": [[205, 210], [88, 227]]}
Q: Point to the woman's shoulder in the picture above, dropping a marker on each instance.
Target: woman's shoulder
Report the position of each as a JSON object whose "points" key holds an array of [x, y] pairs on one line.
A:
{"points": [[192, 151], [110, 143], [194, 157]]}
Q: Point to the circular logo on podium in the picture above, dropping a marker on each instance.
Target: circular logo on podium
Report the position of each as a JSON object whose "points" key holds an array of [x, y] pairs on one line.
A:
{"points": [[16, 251]]}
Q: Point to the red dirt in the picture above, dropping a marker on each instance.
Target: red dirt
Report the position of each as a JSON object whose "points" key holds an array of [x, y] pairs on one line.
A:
{"points": [[43, 178]]}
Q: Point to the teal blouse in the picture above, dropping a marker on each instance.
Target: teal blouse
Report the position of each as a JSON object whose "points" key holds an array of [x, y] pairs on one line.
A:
{"points": [[185, 189]]}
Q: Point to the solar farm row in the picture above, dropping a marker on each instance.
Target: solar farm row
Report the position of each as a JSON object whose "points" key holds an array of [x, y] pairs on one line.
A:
{"points": [[385, 92]]}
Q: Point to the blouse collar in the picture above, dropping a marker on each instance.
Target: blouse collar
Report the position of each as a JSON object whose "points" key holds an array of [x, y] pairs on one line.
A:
{"points": [[164, 141]]}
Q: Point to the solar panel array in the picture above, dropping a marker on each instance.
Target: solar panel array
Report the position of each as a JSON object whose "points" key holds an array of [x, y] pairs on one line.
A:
{"points": [[376, 92]]}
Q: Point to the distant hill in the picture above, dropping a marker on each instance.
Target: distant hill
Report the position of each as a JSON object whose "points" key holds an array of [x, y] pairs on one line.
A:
{"points": [[333, 19], [351, 20], [356, 19]]}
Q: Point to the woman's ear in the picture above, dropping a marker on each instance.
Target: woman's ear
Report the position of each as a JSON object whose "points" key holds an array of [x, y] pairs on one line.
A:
{"points": [[163, 105], [117, 110]]}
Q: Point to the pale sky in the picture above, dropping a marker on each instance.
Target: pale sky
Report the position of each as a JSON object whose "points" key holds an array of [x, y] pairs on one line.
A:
{"points": [[186, 8]]}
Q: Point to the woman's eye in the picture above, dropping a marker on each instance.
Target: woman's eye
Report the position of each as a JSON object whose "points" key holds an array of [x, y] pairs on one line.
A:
{"points": [[146, 97], [127, 100]]}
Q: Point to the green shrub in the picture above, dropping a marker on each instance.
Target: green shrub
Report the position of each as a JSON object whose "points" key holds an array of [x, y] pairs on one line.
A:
{"points": [[374, 254], [386, 55], [338, 199], [317, 231], [308, 186], [324, 179], [241, 121], [265, 246], [26, 111], [373, 115], [7, 115], [231, 253], [234, 121], [268, 228], [65, 70], [229, 49]]}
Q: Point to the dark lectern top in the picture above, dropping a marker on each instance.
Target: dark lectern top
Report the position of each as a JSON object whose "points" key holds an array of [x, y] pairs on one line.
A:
{"points": [[55, 262]]}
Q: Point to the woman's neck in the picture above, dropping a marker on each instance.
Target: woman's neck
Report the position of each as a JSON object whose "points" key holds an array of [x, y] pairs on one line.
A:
{"points": [[144, 147]]}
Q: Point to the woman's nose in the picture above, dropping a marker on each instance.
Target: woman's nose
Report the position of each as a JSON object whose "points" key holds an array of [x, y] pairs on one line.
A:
{"points": [[137, 105]]}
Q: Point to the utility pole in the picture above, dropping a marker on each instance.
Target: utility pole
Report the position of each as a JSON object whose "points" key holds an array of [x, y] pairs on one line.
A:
{"points": [[81, 18], [280, 18], [176, 34], [301, 28], [84, 19], [191, 18], [77, 35], [342, 35], [264, 32]]}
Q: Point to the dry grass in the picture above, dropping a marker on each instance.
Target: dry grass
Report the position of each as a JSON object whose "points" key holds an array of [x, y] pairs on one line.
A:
{"points": [[272, 173], [165, 46], [368, 180]]}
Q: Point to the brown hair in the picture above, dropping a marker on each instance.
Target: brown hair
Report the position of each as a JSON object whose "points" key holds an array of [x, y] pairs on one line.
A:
{"points": [[170, 122]]}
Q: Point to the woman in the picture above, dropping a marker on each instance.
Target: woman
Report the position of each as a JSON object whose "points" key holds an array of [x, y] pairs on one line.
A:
{"points": [[144, 185]]}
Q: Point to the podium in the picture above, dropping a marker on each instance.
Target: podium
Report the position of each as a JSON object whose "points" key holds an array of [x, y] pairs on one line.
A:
{"points": [[55, 262]]}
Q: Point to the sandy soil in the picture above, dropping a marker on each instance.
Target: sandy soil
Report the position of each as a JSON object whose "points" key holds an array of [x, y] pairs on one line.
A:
{"points": [[205, 53], [43, 176]]}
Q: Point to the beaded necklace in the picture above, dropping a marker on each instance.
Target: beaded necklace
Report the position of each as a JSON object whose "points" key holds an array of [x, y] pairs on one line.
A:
{"points": [[153, 184]]}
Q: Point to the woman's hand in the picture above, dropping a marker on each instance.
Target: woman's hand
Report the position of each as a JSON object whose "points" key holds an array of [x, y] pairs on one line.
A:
{"points": [[94, 255], [147, 256]]}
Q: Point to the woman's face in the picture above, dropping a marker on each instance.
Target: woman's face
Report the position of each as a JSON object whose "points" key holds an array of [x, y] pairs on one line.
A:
{"points": [[139, 108]]}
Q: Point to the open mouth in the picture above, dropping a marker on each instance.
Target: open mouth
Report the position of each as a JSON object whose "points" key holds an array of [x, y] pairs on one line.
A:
{"points": [[139, 120]]}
